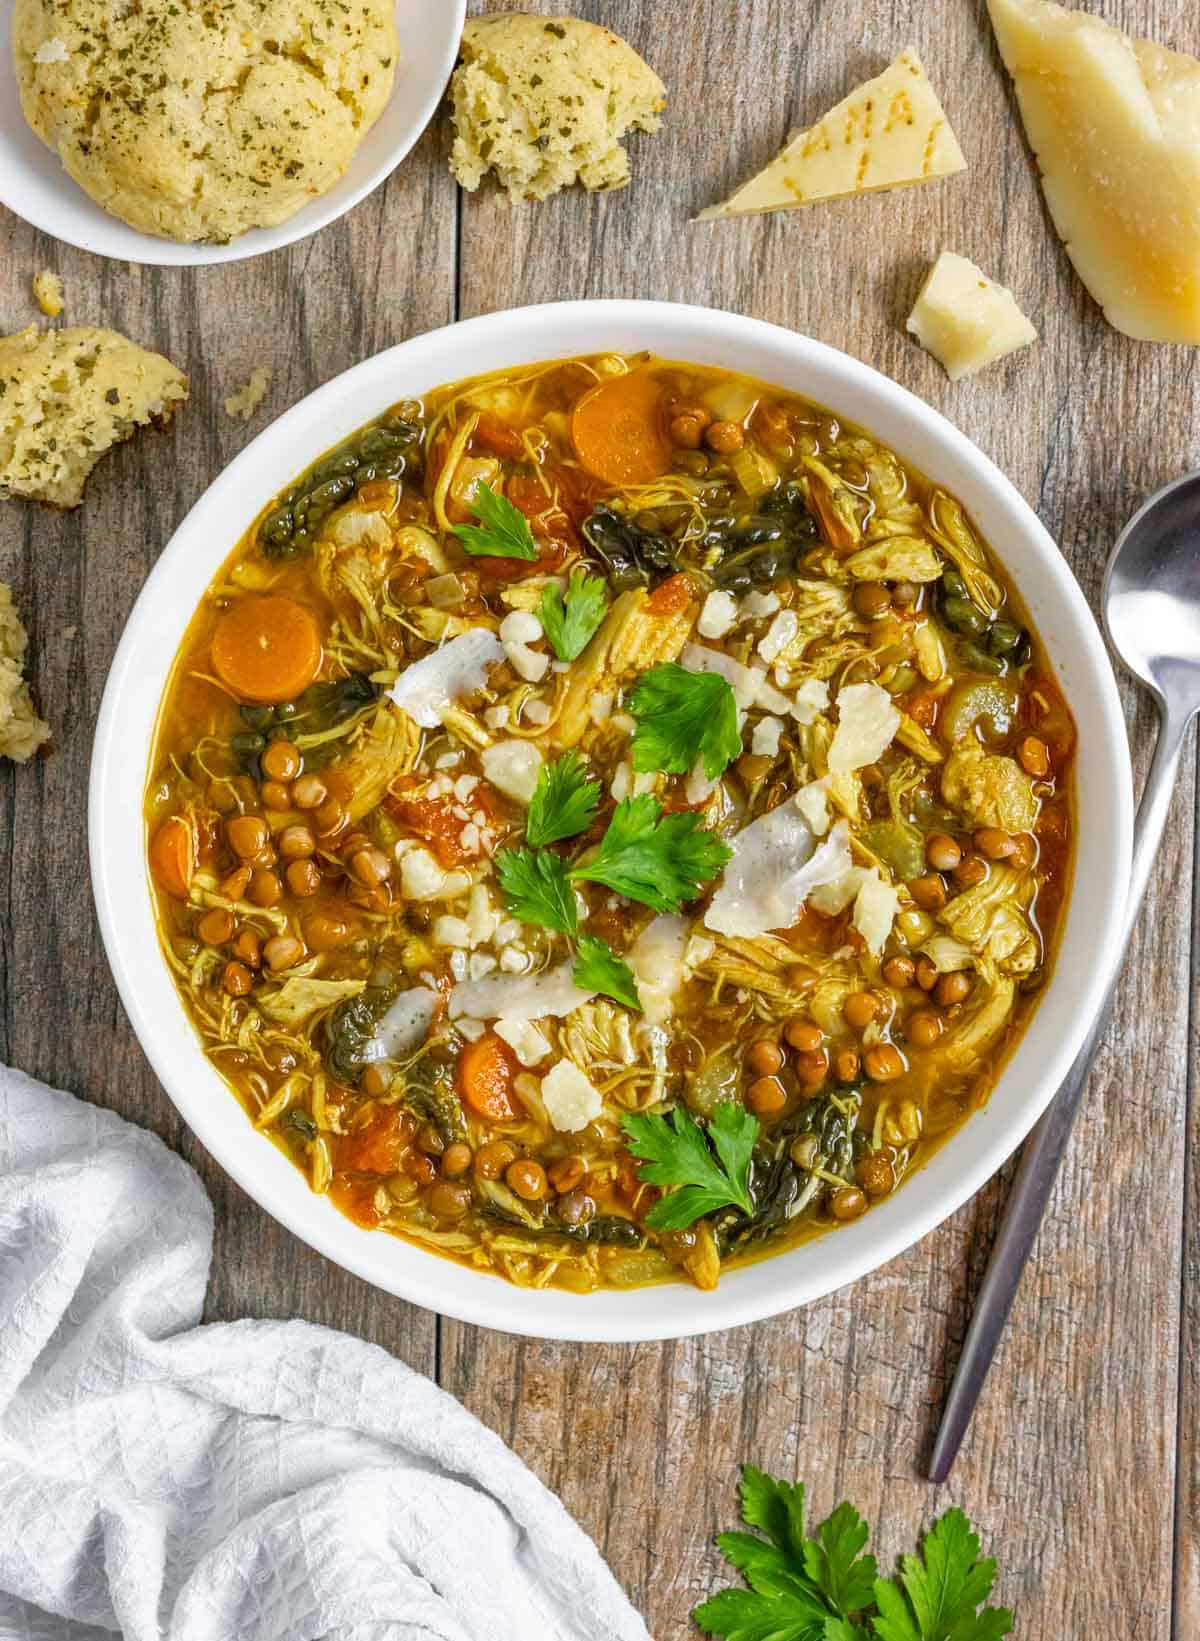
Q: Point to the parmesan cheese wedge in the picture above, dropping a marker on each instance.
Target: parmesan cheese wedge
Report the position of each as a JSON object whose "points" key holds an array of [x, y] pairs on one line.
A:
{"points": [[964, 319], [889, 133], [1115, 126]]}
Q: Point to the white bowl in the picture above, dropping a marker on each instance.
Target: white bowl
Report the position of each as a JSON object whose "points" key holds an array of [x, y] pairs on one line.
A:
{"points": [[156, 627], [35, 186]]}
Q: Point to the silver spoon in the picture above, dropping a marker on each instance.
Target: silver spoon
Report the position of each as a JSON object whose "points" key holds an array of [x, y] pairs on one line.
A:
{"points": [[1152, 612]]}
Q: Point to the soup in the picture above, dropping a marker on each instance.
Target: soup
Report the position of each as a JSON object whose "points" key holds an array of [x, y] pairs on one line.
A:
{"points": [[609, 820]]}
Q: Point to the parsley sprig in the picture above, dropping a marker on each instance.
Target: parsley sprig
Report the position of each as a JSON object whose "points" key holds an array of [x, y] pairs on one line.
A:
{"points": [[684, 718], [564, 802], [570, 619], [657, 859], [598, 968], [708, 1167], [538, 890], [826, 1588], [502, 531]]}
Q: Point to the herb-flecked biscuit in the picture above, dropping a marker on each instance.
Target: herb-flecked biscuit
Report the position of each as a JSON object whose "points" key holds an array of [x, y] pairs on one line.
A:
{"points": [[21, 730], [197, 122], [545, 101], [67, 396]]}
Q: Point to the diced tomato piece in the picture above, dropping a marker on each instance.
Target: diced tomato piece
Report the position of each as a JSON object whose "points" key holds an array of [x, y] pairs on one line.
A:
{"points": [[378, 1147], [670, 596], [922, 707], [498, 437], [356, 1199]]}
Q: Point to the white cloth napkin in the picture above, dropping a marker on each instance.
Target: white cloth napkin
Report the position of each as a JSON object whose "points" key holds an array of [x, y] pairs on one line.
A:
{"points": [[243, 1481]]}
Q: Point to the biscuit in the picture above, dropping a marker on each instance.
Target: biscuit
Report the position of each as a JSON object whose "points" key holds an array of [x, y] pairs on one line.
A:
{"points": [[67, 396], [544, 102], [198, 122]]}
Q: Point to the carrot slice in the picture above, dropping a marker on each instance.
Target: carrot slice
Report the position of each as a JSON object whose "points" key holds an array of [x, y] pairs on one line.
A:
{"points": [[173, 856], [486, 1069], [267, 649], [617, 430]]}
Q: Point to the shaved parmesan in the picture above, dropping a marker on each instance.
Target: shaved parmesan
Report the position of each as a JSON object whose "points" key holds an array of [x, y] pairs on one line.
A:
{"points": [[776, 864], [813, 803], [746, 682], [966, 322], [525, 1040], [426, 688], [656, 958], [888, 133], [833, 897], [867, 721], [875, 908], [519, 996], [811, 699], [570, 1099], [405, 1026], [718, 615]]}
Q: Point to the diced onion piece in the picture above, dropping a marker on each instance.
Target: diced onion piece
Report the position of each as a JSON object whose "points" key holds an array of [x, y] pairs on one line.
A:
{"points": [[867, 721], [776, 864], [781, 632], [570, 1099], [426, 688], [519, 997]]}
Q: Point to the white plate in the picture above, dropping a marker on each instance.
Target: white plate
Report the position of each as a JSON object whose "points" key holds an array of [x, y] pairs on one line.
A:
{"points": [[1065, 625], [35, 186]]}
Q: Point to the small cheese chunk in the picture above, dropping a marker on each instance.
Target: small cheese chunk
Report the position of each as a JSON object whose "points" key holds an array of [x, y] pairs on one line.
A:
{"points": [[888, 133], [1115, 125], [512, 768], [718, 615], [250, 395], [875, 908], [519, 997], [571, 1101], [965, 320], [656, 958], [405, 1026], [764, 743]]}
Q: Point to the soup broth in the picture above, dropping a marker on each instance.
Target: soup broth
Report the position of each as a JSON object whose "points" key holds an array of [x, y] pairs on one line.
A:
{"points": [[608, 820]]}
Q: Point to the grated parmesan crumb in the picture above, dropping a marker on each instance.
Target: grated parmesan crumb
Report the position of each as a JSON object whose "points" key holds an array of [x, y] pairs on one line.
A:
{"points": [[21, 730], [247, 399]]}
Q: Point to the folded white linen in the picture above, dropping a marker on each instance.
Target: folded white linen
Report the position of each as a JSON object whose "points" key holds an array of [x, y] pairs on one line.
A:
{"points": [[244, 1481]]}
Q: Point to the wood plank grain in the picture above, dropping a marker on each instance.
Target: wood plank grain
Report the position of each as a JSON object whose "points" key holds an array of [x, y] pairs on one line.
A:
{"points": [[1080, 1415], [383, 272]]}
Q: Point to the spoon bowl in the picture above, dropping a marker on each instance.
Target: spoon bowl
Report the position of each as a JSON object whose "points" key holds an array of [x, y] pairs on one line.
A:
{"points": [[1152, 593]]}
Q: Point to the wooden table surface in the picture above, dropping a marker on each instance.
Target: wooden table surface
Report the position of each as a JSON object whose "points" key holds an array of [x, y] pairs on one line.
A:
{"points": [[1083, 1467]]}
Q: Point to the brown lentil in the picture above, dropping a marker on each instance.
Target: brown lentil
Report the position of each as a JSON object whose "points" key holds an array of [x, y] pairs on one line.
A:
{"points": [[493, 1157], [899, 972], [303, 878], [765, 1057], [526, 1178], [766, 1096], [283, 951], [456, 1159], [942, 851], [215, 927], [309, 792], [237, 979], [247, 835], [848, 1203], [883, 1064], [1034, 757], [281, 761], [951, 989], [803, 1035]]}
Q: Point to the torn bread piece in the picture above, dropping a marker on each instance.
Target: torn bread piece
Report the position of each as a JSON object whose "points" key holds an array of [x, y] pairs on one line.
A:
{"points": [[48, 293], [66, 397], [966, 320], [1115, 126], [250, 395], [891, 132], [544, 102], [22, 732]]}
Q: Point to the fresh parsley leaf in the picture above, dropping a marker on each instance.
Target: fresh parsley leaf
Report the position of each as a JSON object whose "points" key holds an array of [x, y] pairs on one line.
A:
{"points": [[939, 1592], [684, 718], [658, 859], [710, 1169], [537, 890], [741, 1615], [564, 802], [835, 1562], [598, 968], [503, 530], [570, 621], [824, 1588]]}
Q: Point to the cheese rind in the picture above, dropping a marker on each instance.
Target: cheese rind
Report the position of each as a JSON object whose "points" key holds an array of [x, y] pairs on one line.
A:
{"points": [[964, 319], [1115, 126], [889, 133]]}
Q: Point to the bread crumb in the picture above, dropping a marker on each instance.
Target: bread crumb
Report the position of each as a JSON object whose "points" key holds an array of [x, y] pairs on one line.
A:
{"points": [[21, 730], [67, 396], [48, 293], [68, 634], [247, 399], [543, 102]]}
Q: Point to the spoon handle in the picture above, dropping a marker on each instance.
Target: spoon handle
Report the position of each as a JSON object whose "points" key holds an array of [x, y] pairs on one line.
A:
{"points": [[1044, 1150]]}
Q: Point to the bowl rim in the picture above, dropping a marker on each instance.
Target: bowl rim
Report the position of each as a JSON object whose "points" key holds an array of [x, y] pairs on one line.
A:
{"points": [[87, 226], [123, 901]]}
